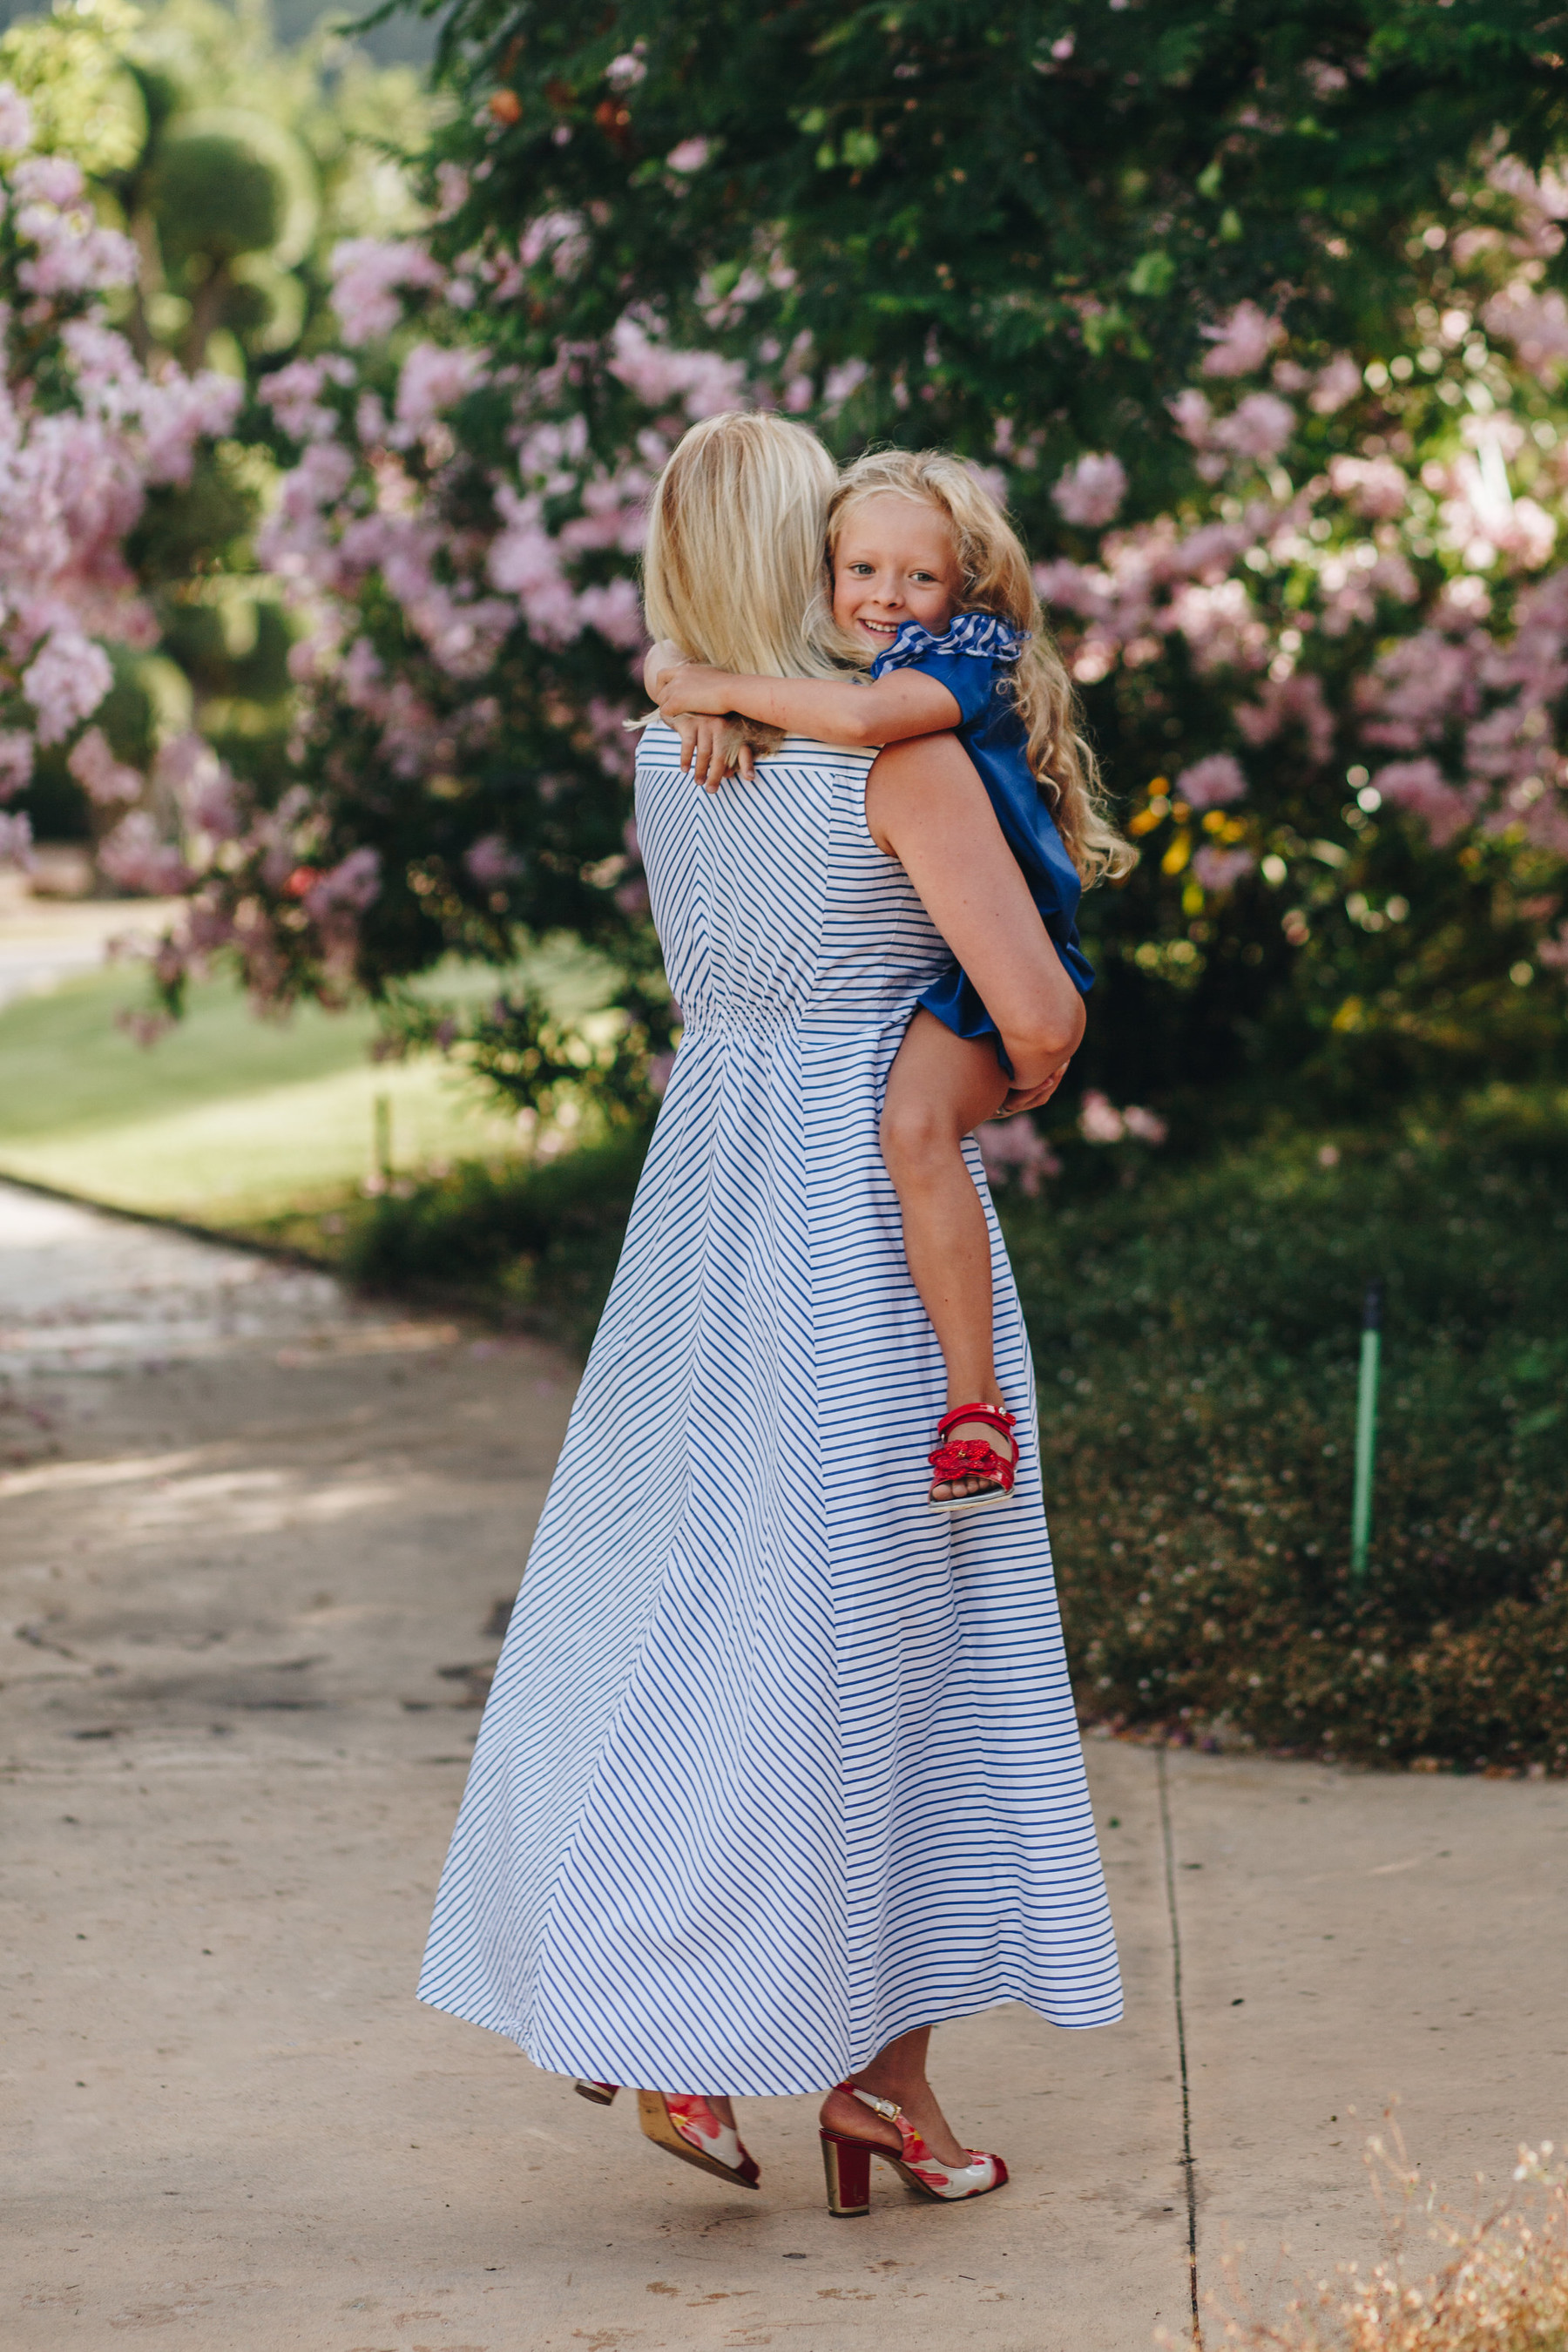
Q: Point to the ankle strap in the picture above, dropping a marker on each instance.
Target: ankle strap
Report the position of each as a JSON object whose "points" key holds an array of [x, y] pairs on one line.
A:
{"points": [[869, 2099]]}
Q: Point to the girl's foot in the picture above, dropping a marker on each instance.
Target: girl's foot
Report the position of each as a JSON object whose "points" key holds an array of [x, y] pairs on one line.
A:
{"points": [[975, 1458]]}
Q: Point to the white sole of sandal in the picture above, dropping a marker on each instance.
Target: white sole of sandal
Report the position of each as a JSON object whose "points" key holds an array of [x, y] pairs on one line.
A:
{"points": [[962, 1503]]}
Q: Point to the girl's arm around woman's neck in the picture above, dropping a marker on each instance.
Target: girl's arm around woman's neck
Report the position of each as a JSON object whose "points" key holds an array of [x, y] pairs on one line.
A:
{"points": [[863, 712]]}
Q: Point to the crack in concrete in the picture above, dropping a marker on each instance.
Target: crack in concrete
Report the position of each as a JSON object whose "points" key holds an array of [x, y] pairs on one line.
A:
{"points": [[1188, 2161]]}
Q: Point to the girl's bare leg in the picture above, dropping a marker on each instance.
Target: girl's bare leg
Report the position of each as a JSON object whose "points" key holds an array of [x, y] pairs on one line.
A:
{"points": [[897, 2073], [939, 1089]]}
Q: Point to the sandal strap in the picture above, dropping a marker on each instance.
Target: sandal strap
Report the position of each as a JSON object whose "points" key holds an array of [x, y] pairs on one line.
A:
{"points": [[869, 2099], [971, 1457], [993, 1416]]}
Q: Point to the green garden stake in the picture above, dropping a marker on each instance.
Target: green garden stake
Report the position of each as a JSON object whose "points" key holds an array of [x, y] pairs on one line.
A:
{"points": [[1365, 1430]]}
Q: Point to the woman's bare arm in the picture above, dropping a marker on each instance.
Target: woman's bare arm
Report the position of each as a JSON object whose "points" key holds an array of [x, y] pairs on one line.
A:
{"points": [[830, 709], [926, 806]]}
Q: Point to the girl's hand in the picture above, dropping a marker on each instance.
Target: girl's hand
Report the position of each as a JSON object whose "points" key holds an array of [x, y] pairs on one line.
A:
{"points": [[712, 748], [1030, 1098], [660, 661], [694, 687]]}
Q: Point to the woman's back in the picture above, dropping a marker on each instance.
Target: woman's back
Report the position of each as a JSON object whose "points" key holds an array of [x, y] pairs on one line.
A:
{"points": [[771, 899]]}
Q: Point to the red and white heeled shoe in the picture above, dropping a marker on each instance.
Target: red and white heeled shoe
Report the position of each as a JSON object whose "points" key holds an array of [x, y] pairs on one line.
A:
{"points": [[847, 2161], [685, 2125], [972, 1457]]}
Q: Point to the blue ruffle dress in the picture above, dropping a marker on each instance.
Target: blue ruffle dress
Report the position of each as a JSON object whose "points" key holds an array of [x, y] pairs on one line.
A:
{"points": [[972, 660]]}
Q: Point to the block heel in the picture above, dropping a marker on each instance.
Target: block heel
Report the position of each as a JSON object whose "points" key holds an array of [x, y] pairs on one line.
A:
{"points": [[847, 2164]]}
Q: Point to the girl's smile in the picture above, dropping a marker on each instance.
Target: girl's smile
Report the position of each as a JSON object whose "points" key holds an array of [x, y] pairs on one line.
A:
{"points": [[894, 562]]}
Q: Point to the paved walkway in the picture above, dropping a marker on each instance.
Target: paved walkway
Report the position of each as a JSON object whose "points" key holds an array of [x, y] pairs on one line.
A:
{"points": [[254, 1540], [44, 941]]}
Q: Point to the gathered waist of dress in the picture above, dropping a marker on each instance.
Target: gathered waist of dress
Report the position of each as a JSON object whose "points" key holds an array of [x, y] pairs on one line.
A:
{"points": [[737, 1019]]}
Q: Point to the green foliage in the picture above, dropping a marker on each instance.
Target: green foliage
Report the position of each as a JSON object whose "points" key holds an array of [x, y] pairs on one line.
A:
{"points": [[538, 1245], [1197, 1341], [1052, 198], [523, 1049], [86, 101], [215, 196]]}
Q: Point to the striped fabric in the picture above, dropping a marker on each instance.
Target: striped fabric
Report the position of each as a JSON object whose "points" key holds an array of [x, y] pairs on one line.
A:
{"points": [[777, 1763]]}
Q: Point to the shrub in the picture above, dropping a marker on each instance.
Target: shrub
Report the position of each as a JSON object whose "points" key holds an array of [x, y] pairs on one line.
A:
{"points": [[1196, 1340], [534, 1245]]}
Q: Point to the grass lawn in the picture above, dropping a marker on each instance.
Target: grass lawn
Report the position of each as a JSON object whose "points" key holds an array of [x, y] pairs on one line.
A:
{"points": [[227, 1121]]}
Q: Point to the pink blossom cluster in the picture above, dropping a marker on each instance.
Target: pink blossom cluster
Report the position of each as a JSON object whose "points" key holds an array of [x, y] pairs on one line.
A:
{"points": [[71, 255], [1100, 1121], [369, 274], [75, 468], [1092, 491], [1469, 692], [364, 508], [1015, 1147], [139, 859]]}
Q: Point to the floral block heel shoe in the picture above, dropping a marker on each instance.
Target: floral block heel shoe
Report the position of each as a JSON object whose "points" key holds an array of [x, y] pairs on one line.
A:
{"points": [[847, 2161]]}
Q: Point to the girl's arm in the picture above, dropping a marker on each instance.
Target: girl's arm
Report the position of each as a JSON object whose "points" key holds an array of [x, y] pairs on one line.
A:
{"points": [[926, 806], [831, 711]]}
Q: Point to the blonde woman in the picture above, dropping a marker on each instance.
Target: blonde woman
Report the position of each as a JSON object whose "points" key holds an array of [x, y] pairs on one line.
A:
{"points": [[930, 592], [779, 1770]]}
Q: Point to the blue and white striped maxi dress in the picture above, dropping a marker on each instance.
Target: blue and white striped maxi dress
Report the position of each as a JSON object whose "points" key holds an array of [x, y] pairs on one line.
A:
{"points": [[777, 1763]]}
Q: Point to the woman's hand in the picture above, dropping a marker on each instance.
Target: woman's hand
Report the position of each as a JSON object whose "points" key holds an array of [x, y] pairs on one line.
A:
{"points": [[694, 687], [1030, 1098]]}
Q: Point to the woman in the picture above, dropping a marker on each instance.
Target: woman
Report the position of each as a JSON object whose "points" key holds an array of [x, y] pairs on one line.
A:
{"points": [[779, 1770]]}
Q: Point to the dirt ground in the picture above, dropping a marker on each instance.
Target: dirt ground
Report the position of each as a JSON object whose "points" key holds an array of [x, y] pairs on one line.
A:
{"points": [[257, 1544]]}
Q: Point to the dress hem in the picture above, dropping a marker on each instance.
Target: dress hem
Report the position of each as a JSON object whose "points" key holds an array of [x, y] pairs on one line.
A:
{"points": [[589, 2070]]}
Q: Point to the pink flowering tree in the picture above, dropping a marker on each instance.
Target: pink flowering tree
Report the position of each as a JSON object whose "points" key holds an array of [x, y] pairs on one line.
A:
{"points": [[1286, 453], [457, 549], [90, 440]]}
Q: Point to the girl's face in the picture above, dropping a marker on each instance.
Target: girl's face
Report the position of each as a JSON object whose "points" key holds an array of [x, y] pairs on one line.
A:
{"points": [[894, 562]]}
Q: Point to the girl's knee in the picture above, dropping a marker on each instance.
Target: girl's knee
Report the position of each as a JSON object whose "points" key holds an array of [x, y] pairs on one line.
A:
{"points": [[917, 1134]]}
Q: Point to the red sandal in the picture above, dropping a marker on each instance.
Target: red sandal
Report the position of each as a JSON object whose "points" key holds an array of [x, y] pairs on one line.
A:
{"points": [[971, 1457]]}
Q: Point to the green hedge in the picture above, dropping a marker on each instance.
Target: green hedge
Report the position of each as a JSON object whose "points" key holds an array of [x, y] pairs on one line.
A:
{"points": [[1197, 1338], [536, 1246], [1197, 1331]]}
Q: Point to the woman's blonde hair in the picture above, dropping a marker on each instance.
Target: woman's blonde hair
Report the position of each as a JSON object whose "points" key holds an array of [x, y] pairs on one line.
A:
{"points": [[732, 563], [996, 580]]}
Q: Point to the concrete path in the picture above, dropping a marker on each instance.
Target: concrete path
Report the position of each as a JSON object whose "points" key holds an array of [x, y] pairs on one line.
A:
{"points": [[254, 1540], [44, 941]]}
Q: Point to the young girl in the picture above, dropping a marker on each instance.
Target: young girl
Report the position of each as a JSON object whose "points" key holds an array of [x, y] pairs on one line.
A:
{"points": [[931, 591]]}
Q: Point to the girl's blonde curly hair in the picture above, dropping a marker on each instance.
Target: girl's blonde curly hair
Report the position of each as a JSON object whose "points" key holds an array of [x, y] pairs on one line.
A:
{"points": [[996, 580]]}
